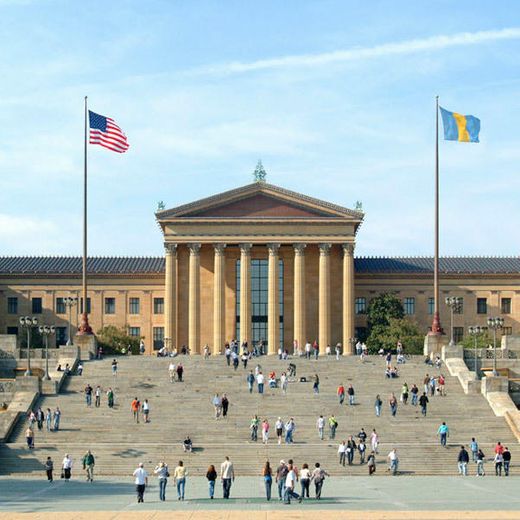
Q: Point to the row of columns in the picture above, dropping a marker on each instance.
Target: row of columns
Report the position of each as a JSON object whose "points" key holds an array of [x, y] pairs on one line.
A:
{"points": [[273, 324]]}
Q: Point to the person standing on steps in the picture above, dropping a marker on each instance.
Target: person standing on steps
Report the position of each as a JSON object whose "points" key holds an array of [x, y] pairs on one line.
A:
{"points": [[333, 425], [179, 478], [88, 462], [318, 476], [423, 402], [281, 473], [29, 437], [217, 405], [362, 451], [260, 380], [290, 426], [211, 476], [97, 395], [180, 372], [254, 428], [463, 460], [267, 473], [114, 367], [392, 402], [40, 416], [250, 381], [284, 382], [351, 449], [443, 432], [48, 419], [378, 404], [305, 481], [426, 383], [66, 467], [265, 431], [404, 393], [135, 406], [146, 411], [371, 463], [141, 481], [480, 463], [316, 384], [473, 446], [171, 371], [506, 455], [227, 475], [225, 405], [57, 418], [499, 461], [110, 398], [88, 395], [49, 467], [350, 393], [342, 450], [320, 425], [415, 394], [278, 426], [290, 483], [162, 473], [227, 353], [341, 393], [393, 461], [374, 440]]}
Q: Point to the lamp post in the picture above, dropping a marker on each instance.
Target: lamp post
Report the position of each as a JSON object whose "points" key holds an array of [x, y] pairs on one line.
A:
{"points": [[28, 322], [495, 324], [45, 331], [454, 303], [475, 331], [69, 303]]}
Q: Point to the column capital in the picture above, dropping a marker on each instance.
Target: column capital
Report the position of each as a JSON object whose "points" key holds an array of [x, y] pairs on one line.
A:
{"points": [[219, 249], [194, 249], [348, 249], [324, 249], [245, 249], [170, 249], [299, 249], [273, 249]]}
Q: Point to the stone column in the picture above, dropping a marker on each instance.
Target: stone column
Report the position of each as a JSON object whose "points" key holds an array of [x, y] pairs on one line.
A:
{"points": [[170, 295], [194, 299], [299, 295], [324, 297], [218, 298], [245, 293], [273, 300], [348, 298]]}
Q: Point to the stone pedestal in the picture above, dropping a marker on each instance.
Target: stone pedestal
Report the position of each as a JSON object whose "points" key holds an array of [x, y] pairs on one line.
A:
{"points": [[87, 346], [433, 344]]}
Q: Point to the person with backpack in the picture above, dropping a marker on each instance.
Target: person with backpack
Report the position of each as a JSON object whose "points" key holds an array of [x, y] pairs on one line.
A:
{"points": [[136, 406], [318, 476], [333, 426]]}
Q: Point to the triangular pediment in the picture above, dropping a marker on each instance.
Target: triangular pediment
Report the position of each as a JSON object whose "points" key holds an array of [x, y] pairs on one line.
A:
{"points": [[260, 200]]}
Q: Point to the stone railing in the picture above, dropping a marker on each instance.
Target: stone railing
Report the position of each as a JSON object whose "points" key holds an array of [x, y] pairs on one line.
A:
{"points": [[486, 353]]}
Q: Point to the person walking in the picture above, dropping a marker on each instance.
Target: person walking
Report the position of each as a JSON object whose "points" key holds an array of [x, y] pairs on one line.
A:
{"points": [[333, 425], [281, 473], [250, 381], [265, 431], [260, 380], [253, 427], [179, 478], [342, 450], [392, 402], [393, 460], [88, 462], [284, 381], [316, 384], [371, 463], [340, 392], [350, 393], [463, 460], [318, 476], [290, 426], [141, 481], [110, 398], [473, 446], [40, 417], [506, 455], [404, 393], [351, 449], [161, 470], [499, 461], [135, 407], [66, 467], [305, 481], [374, 441], [88, 395], [211, 476], [227, 475], [97, 395], [180, 372], [426, 383], [290, 483], [320, 425], [57, 419], [217, 405], [225, 405], [146, 411], [362, 451], [29, 437], [171, 371], [423, 403], [267, 473], [415, 394], [443, 433], [378, 404], [49, 468], [48, 419], [480, 463], [279, 429]]}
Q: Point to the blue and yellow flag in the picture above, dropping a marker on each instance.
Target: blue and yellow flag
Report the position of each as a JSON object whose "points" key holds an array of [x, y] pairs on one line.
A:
{"points": [[460, 128]]}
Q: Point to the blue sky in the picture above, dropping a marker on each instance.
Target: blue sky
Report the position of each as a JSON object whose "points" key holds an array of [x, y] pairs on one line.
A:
{"points": [[335, 97]]}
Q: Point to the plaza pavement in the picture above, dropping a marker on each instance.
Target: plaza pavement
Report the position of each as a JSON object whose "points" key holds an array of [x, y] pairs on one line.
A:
{"points": [[391, 498]]}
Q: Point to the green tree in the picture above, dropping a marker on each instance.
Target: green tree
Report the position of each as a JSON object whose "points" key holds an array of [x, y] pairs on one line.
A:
{"points": [[398, 329], [113, 340], [382, 308], [483, 340]]}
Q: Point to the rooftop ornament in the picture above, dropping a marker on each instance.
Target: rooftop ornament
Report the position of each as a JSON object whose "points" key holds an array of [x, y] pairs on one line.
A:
{"points": [[259, 174]]}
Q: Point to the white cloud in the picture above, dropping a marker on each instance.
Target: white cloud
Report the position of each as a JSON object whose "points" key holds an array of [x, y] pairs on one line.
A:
{"points": [[365, 53]]}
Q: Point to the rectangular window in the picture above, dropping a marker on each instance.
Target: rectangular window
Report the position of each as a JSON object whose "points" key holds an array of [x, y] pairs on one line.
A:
{"points": [[60, 306], [431, 305], [361, 333], [110, 305], [134, 331], [12, 305], [158, 338], [61, 336], [409, 305], [36, 306], [481, 305], [158, 305], [88, 306], [505, 305], [133, 306], [458, 334], [12, 330], [360, 305], [459, 309], [507, 331]]}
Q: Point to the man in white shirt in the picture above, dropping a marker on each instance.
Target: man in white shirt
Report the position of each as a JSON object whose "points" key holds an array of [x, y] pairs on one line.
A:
{"points": [[171, 370], [227, 475], [342, 450], [260, 379], [290, 483], [141, 481], [394, 461], [308, 347], [320, 424]]}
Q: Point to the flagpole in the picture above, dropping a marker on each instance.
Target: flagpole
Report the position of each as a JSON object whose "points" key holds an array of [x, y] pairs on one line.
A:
{"points": [[436, 325], [84, 327]]}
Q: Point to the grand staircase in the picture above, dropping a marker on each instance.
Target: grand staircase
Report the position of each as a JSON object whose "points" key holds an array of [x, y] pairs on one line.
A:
{"points": [[181, 408]]}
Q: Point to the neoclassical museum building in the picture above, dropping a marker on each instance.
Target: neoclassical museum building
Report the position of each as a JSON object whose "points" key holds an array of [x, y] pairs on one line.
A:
{"points": [[256, 263]]}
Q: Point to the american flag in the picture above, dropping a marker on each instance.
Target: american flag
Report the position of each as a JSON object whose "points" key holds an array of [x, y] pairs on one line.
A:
{"points": [[105, 132]]}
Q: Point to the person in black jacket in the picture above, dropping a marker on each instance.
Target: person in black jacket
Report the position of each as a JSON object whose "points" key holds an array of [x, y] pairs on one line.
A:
{"points": [[463, 460], [423, 402], [351, 448], [507, 461]]}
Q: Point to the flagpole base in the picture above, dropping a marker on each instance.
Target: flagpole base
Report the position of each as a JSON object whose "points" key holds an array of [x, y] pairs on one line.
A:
{"points": [[436, 329], [84, 328]]}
